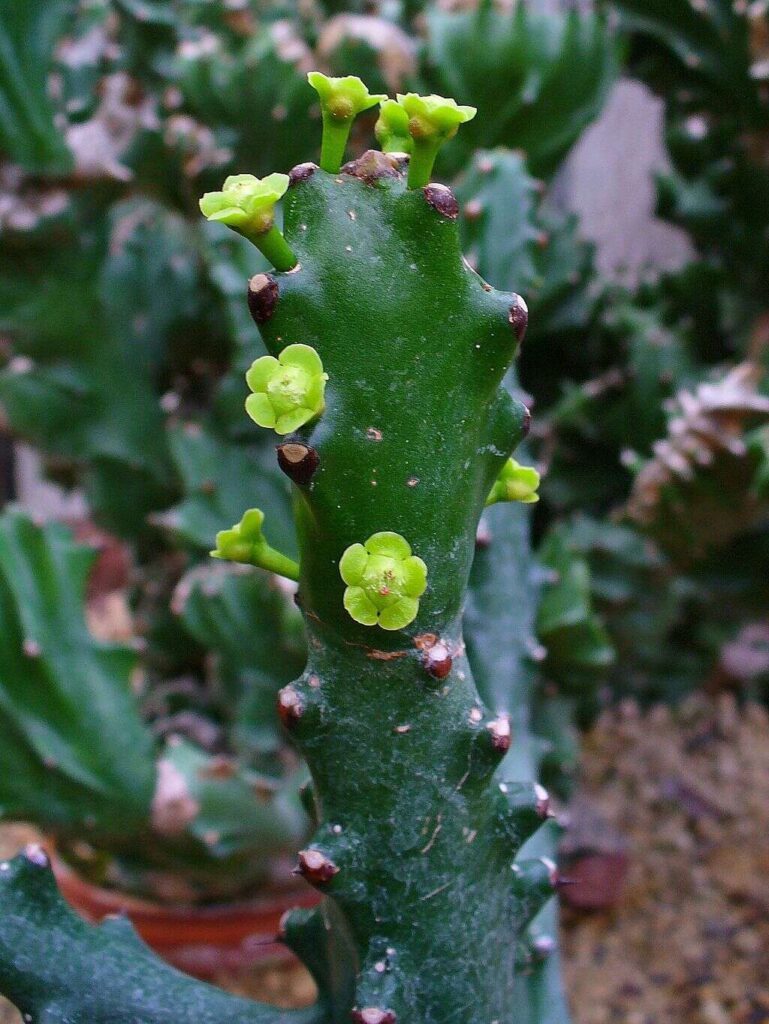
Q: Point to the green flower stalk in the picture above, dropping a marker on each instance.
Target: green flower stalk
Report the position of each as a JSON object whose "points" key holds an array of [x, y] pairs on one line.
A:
{"points": [[341, 100], [515, 483], [384, 581], [246, 543], [432, 120], [392, 128], [247, 205], [288, 391]]}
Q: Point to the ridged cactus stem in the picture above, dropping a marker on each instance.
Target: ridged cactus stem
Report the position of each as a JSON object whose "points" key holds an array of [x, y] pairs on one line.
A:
{"points": [[417, 838]]}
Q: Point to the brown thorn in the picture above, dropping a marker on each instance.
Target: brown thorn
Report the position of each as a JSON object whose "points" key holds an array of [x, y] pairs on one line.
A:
{"points": [[283, 925], [526, 421], [552, 871], [290, 706], [298, 461], [442, 199], [262, 297], [36, 855], [372, 166], [316, 867], [518, 317], [301, 172], [437, 656], [542, 805], [543, 946], [501, 733], [373, 1015]]}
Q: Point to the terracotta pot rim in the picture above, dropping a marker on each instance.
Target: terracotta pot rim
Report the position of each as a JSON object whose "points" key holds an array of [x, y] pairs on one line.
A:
{"points": [[201, 940], [108, 900]]}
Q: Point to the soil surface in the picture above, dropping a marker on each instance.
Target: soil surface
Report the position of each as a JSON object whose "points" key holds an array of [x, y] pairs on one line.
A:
{"points": [[688, 940]]}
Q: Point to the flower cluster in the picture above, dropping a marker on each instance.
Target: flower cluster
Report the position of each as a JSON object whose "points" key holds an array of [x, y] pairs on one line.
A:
{"points": [[288, 391], [434, 116], [246, 203], [515, 483], [343, 98], [245, 542], [384, 581]]}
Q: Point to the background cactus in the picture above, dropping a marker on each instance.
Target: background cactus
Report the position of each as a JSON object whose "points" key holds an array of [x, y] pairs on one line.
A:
{"points": [[80, 760]]}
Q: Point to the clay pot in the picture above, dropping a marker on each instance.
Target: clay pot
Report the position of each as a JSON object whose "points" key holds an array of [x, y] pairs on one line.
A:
{"points": [[112, 567], [593, 858], [595, 879], [202, 941]]}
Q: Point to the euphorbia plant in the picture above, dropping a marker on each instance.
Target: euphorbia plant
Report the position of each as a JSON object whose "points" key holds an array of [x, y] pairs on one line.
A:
{"points": [[419, 831]]}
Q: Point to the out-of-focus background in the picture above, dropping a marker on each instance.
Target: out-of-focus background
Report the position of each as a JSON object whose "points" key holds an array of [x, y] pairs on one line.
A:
{"points": [[617, 176]]}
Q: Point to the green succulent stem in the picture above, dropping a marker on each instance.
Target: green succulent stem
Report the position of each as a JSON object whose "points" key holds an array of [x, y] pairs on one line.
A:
{"points": [[336, 132], [280, 564], [420, 847], [275, 248], [272, 561], [377, 706], [423, 155]]}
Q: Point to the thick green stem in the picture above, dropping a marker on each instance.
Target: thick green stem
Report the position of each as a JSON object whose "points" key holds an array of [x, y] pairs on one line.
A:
{"points": [[416, 837], [275, 248], [422, 161], [336, 132], [280, 564]]}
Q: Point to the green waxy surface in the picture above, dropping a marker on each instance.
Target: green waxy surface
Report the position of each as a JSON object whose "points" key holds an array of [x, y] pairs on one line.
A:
{"points": [[414, 353], [59, 970]]}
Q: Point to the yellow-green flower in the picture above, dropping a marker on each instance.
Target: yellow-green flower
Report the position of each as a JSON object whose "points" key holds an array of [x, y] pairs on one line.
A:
{"points": [[384, 581], [288, 391], [245, 542], [432, 120], [392, 128], [245, 202], [434, 116], [515, 483], [343, 98]]}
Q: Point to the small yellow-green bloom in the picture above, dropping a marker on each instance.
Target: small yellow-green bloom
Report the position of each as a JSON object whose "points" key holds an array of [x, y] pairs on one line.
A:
{"points": [[245, 542], [288, 391], [384, 581], [343, 98], [240, 543], [434, 116], [392, 128], [245, 202], [515, 483]]}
